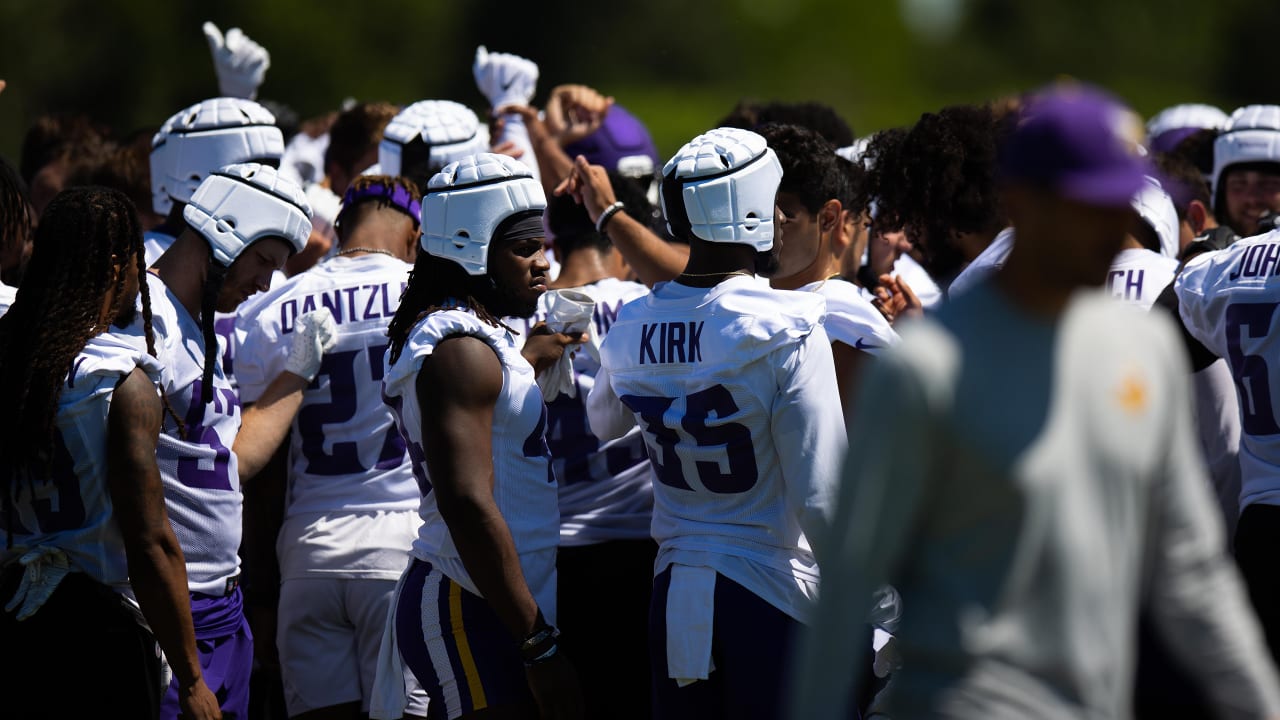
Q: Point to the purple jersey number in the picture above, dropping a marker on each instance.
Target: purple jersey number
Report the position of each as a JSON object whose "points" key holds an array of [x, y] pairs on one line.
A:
{"points": [[417, 456], [735, 438], [573, 445], [344, 459], [1253, 379], [190, 473]]}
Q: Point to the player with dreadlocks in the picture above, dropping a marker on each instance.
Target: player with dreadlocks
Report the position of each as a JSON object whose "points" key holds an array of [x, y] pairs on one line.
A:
{"points": [[483, 574], [241, 224], [89, 557]]}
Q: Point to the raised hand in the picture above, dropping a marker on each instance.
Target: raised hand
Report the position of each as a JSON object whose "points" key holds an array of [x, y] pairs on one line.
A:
{"points": [[240, 63]]}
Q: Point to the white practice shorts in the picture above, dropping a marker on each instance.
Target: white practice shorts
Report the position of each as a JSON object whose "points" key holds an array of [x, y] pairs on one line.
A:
{"points": [[328, 636]]}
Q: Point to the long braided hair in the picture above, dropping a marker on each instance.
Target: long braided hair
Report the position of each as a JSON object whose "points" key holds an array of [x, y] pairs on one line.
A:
{"points": [[217, 273], [435, 284], [82, 246]]}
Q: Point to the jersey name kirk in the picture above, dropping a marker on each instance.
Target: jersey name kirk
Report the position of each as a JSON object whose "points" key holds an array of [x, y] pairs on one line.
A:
{"points": [[671, 342]]}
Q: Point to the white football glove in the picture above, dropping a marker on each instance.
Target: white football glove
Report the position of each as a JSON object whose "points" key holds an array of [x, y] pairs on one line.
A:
{"points": [[503, 78], [314, 334], [239, 62], [43, 569]]}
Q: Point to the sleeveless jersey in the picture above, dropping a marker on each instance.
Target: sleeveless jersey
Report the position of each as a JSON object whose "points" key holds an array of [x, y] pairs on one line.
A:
{"points": [[852, 319], [201, 478], [345, 453], [1227, 300], [7, 296], [734, 388], [71, 508], [523, 485], [155, 244], [1138, 276], [606, 487]]}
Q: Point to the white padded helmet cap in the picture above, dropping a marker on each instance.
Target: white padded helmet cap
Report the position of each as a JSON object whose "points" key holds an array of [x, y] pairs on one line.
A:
{"points": [[240, 204], [1156, 208], [467, 200], [204, 137], [1252, 134], [1189, 115], [723, 188], [451, 131]]}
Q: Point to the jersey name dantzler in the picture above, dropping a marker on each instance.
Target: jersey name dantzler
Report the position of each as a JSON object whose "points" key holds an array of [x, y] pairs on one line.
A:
{"points": [[373, 301]]}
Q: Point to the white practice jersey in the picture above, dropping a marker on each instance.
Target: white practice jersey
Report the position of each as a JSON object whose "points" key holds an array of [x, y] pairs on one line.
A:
{"points": [[71, 509], [734, 387], [523, 485], [7, 296], [606, 487], [990, 260], [1228, 300], [345, 453], [155, 244], [851, 318], [201, 478], [921, 283], [1138, 276]]}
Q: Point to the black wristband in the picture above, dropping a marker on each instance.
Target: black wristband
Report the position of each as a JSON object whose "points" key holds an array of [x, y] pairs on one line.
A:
{"points": [[539, 645]]}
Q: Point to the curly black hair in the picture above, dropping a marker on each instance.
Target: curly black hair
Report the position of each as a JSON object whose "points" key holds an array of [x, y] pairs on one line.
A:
{"points": [[809, 169], [939, 178]]}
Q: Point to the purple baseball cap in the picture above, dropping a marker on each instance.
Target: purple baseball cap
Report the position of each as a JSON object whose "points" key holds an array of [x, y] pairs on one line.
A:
{"points": [[1080, 142], [621, 144]]}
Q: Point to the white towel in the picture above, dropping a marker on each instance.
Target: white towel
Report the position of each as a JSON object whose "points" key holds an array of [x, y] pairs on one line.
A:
{"points": [[568, 311], [389, 696], [690, 620]]}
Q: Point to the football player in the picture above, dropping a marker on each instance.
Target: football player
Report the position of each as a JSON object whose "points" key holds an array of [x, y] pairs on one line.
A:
{"points": [[731, 383]]}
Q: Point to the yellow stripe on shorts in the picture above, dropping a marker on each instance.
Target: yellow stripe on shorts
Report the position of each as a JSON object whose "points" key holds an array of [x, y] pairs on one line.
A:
{"points": [[474, 685]]}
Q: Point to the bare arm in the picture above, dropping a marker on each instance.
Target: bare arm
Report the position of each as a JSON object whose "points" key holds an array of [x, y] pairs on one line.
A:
{"points": [[157, 568], [653, 259], [553, 163], [458, 388], [849, 362], [265, 423]]}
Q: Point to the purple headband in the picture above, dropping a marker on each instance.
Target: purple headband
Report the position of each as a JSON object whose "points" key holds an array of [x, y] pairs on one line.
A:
{"points": [[399, 198]]}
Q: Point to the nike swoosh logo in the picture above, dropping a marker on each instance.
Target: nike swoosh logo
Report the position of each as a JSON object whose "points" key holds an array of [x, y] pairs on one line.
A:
{"points": [[858, 344], [509, 83]]}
